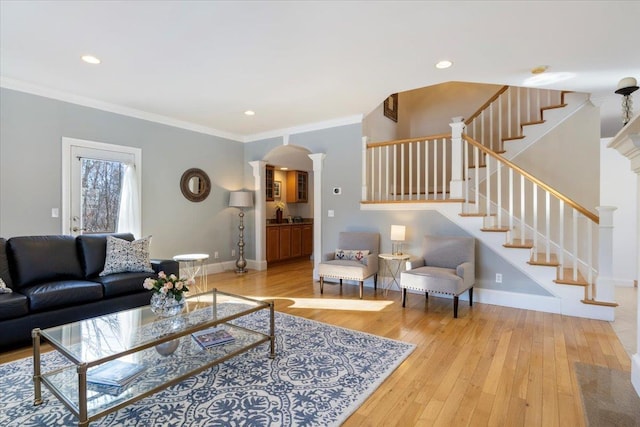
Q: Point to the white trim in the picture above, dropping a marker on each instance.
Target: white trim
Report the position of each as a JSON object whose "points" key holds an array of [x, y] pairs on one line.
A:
{"points": [[67, 144], [318, 159], [635, 372], [21, 86], [113, 108], [327, 124]]}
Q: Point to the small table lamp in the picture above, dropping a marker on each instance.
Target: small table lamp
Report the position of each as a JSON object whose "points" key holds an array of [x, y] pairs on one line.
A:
{"points": [[397, 237], [241, 199]]}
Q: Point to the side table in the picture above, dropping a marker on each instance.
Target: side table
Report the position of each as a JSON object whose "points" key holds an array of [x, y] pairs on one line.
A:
{"points": [[392, 264], [194, 264]]}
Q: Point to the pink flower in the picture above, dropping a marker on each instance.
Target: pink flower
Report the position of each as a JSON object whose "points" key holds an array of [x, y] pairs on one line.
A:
{"points": [[162, 275], [173, 278], [149, 283], [179, 286]]}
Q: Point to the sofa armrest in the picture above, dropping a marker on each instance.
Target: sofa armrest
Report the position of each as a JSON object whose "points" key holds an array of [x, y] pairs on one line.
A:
{"points": [[414, 262], [466, 270], [169, 266], [330, 256], [371, 261]]}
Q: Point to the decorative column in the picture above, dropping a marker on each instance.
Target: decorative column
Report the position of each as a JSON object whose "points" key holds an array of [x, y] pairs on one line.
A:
{"points": [[605, 286], [259, 216], [457, 183], [317, 158], [627, 143]]}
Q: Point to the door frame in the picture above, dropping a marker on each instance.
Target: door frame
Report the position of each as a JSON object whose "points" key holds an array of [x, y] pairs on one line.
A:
{"points": [[67, 147]]}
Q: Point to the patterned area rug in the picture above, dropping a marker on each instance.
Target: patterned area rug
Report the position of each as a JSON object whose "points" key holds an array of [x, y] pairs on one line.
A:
{"points": [[320, 376]]}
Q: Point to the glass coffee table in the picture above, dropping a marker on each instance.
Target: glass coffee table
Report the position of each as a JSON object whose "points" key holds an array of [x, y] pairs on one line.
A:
{"points": [[162, 347]]}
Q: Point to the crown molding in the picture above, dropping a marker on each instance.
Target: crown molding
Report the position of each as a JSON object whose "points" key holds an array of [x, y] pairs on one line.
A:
{"points": [[113, 108], [342, 121], [33, 89]]}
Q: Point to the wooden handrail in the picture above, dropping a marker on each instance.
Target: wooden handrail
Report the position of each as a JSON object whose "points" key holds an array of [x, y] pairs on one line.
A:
{"points": [[406, 141], [502, 90], [593, 217]]}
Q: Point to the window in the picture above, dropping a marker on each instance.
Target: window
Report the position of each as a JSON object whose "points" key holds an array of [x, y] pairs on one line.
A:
{"points": [[101, 188]]}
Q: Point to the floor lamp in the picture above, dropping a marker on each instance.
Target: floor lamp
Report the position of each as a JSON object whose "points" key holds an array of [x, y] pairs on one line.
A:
{"points": [[241, 199]]}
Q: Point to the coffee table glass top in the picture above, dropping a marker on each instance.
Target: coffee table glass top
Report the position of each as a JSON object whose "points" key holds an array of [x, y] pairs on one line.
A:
{"points": [[163, 346], [94, 339]]}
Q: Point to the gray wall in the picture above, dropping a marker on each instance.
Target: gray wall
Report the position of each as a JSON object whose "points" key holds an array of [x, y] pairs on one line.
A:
{"points": [[31, 132], [342, 168]]}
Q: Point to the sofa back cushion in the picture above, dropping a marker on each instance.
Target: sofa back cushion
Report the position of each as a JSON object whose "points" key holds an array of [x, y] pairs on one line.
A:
{"points": [[93, 251], [4, 264], [447, 251], [35, 259]]}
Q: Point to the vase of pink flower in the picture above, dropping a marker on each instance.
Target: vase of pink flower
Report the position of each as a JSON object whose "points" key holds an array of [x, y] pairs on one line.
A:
{"points": [[168, 294]]}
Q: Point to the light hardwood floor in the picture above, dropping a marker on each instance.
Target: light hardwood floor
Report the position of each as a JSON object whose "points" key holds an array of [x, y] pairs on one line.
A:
{"points": [[492, 366]]}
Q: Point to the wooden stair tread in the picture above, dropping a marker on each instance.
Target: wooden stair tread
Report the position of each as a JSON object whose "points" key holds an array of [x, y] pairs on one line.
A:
{"points": [[542, 260], [520, 244], [479, 214], [565, 277], [512, 138], [596, 302], [535, 122], [474, 166], [496, 229], [551, 107]]}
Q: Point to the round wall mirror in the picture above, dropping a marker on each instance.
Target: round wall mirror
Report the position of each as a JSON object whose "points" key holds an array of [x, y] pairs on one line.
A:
{"points": [[195, 185]]}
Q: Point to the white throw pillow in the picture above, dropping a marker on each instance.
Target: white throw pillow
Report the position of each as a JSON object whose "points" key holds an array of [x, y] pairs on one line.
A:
{"points": [[351, 255], [124, 256]]}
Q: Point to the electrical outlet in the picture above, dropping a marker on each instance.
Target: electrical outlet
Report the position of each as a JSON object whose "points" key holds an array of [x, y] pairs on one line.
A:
{"points": [[498, 278], [233, 252], [216, 255]]}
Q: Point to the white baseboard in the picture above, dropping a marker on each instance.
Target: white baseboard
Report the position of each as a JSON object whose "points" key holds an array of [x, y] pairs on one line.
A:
{"points": [[635, 372], [543, 303], [625, 283]]}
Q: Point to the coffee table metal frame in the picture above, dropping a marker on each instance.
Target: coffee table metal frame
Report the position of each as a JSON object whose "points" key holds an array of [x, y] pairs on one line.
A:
{"points": [[81, 411]]}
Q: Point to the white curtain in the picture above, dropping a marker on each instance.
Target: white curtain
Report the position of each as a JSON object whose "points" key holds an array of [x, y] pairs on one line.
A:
{"points": [[129, 214]]}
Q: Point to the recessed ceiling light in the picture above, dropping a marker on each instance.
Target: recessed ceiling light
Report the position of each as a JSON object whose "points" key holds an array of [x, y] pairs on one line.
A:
{"points": [[444, 64], [250, 113], [284, 168], [539, 69], [90, 59]]}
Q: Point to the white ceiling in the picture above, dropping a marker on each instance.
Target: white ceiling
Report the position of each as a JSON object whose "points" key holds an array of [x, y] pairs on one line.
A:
{"points": [[201, 64]]}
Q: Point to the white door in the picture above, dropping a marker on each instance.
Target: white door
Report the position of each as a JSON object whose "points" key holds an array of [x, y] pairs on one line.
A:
{"points": [[92, 182]]}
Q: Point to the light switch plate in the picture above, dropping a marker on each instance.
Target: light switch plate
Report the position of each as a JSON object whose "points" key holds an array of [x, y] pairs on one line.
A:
{"points": [[331, 213]]}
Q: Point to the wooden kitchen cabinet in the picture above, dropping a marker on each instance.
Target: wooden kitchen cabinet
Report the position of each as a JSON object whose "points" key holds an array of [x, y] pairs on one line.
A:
{"points": [[269, 175], [297, 186], [273, 243], [289, 241]]}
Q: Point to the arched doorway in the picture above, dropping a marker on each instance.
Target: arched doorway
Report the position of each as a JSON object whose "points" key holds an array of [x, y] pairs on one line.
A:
{"points": [[284, 159]]}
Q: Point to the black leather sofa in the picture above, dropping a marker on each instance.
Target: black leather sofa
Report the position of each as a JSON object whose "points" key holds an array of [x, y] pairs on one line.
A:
{"points": [[55, 280]]}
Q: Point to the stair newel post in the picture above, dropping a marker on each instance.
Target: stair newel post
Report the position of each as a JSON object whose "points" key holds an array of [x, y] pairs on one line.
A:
{"points": [[605, 286], [456, 183]]}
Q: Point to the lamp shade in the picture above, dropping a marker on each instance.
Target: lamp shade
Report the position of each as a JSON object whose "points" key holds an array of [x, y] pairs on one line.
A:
{"points": [[240, 199], [397, 232]]}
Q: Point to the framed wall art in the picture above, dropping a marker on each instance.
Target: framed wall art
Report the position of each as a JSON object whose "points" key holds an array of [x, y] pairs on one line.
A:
{"points": [[391, 107]]}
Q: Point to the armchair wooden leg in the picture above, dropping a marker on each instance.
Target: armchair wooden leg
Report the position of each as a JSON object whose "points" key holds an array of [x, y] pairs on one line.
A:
{"points": [[455, 307], [426, 295], [321, 284], [404, 296], [340, 285], [470, 297], [375, 282], [361, 288]]}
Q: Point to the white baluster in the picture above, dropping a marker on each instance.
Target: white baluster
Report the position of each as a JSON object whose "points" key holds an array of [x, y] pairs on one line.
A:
{"points": [[395, 171], [510, 204], [426, 170], [534, 203], [444, 168], [499, 192], [547, 214], [402, 155], [509, 122], [388, 193], [418, 171], [476, 162], [561, 232], [488, 181], [435, 169], [575, 245], [522, 208], [491, 126]]}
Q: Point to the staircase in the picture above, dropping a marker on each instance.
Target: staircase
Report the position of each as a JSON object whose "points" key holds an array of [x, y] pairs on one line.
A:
{"points": [[471, 179]]}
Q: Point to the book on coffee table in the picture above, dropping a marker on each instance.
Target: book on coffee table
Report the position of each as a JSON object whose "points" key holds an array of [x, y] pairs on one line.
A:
{"points": [[212, 337], [114, 373]]}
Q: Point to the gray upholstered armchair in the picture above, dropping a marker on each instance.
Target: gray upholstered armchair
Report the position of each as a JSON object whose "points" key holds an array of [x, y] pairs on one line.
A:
{"points": [[351, 263], [446, 266]]}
